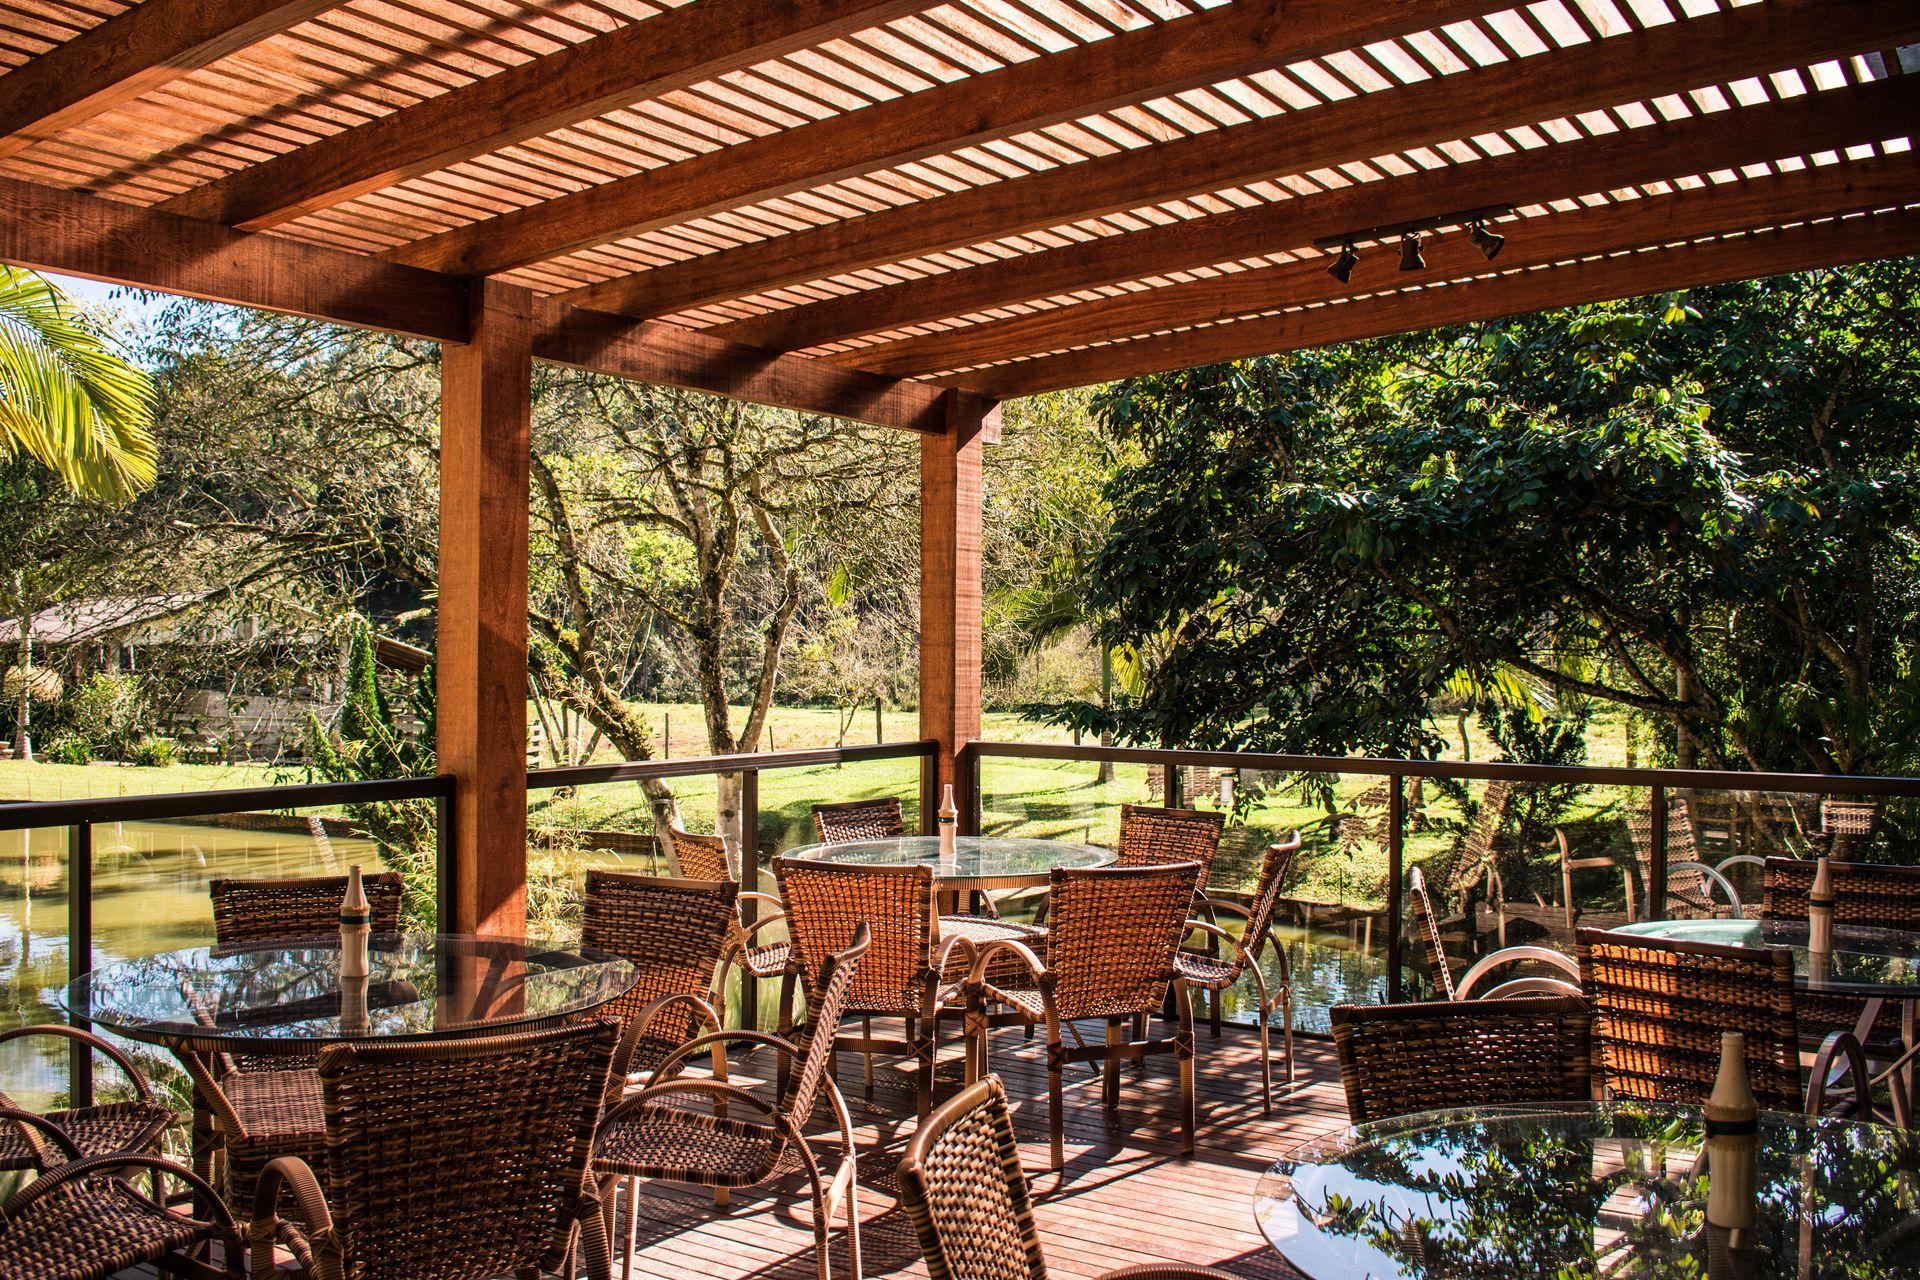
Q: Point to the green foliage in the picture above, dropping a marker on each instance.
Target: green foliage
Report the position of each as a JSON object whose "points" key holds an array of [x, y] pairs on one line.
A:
{"points": [[1701, 512], [67, 748], [109, 714], [152, 753], [66, 398]]}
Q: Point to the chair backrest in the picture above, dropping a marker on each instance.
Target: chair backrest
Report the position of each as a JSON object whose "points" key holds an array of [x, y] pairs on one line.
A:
{"points": [[1426, 925], [1112, 933], [1871, 894], [963, 1189], [859, 820], [672, 931], [1475, 849], [462, 1158], [308, 907], [1156, 837], [1266, 891], [1659, 1007], [697, 857], [1688, 893], [826, 902], [1399, 1058], [833, 979], [1853, 819]]}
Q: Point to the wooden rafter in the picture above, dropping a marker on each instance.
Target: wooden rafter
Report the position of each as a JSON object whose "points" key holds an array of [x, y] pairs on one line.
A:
{"points": [[1716, 210], [1487, 297], [1166, 58], [132, 54], [642, 60], [51, 229], [1604, 73], [1728, 139]]}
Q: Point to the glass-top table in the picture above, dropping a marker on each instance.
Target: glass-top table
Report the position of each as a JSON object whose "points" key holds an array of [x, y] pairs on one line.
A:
{"points": [[287, 997], [1583, 1189], [979, 862], [1863, 962]]}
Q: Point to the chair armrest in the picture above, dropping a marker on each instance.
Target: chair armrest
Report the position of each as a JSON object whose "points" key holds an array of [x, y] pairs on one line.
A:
{"points": [[1215, 931], [33, 1128], [977, 976], [1512, 955], [1726, 885], [119, 1059], [673, 1061], [637, 1027], [118, 1160], [943, 954], [1841, 1044], [778, 906], [669, 1088], [1164, 1271], [267, 1228]]}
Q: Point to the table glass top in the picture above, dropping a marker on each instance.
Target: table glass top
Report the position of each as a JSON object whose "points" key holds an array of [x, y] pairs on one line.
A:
{"points": [[285, 995], [1582, 1189], [975, 857], [1884, 962]]}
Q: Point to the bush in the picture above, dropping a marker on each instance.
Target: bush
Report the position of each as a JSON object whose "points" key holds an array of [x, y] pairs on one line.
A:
{"points": [[68, 748], [153, 753], [109, 714]]}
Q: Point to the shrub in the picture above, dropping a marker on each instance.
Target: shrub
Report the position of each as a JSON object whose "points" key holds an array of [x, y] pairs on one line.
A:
{"points": [[153, 753], [68, 748], [108, 713]]}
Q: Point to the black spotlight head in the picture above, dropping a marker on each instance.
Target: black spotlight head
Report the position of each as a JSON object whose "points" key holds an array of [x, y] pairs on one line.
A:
{"points": [[1486, 241], [1342, 266], [1410, 259]]}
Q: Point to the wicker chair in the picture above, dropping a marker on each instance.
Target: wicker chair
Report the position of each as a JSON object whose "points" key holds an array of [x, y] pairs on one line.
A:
{"points": [[1400, 1058], [700, 857], [1212, 973], [1847, 825], [1570, 864], [134, 1125], [1426, 924], [962, 1187], [654, 1135], [859, 820], [1871, 895], [1660, 1005], [451, 1160], [1690, 881], [84, 1218], [903, 973], [674, 932], [1111, 954], [1158, 837], [267, 910]]}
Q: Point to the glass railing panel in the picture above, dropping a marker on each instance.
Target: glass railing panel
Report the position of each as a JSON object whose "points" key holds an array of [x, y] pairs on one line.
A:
{"points": [[34, 959]]}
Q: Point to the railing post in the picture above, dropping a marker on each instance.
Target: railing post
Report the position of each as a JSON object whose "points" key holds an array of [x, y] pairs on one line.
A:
{"points": [[446, 888], [1170, 784], [929, 794], [79, 957], [750, 870], [972, 803], [1396, 876], [1657, 857]]}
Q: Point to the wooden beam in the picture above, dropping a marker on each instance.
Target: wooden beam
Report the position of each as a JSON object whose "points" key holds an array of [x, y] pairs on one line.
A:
{"points": [[1728, 139], [951, 499], [132, 54], [1803, 248], [1828, 191], [1604, 73], [486, 408], [54, 229], [670, 355], [642, 60], [1165, 58]]}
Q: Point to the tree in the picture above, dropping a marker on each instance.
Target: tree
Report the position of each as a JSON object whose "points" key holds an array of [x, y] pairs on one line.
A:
{"points": [[1701, 511]]}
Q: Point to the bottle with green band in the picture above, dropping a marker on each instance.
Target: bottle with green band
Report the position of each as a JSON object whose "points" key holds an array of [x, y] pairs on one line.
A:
{"points": [[1733, 1128]]}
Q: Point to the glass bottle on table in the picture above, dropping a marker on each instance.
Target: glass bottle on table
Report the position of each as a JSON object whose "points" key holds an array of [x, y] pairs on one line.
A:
{"points": [[356, 922], [949, 826], [1733, 1134], [1820, 909]]}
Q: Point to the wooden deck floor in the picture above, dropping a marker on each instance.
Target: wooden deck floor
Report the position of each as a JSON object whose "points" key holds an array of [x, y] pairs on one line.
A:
{"points": [[1125, 1196]]}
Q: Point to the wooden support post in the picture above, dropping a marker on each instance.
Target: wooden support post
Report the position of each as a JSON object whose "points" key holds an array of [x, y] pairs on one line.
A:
{"points": [[950, 506], [485, 438]]}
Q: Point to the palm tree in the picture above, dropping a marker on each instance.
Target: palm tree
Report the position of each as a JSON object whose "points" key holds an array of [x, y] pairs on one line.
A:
{"points": [[71, 403]]}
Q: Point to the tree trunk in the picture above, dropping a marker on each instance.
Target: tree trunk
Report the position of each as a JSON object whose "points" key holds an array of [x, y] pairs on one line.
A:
{"points": [[22, 734], [1106, 703]]}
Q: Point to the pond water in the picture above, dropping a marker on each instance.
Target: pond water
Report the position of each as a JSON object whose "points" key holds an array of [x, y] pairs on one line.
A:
{"points": [[149, 895]]}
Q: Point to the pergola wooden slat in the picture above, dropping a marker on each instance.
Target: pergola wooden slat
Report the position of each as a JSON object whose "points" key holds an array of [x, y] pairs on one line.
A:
{"points": [[900, 212]]}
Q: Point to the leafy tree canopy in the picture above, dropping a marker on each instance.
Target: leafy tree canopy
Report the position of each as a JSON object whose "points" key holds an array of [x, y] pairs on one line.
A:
{"points": [[1698, 507]]}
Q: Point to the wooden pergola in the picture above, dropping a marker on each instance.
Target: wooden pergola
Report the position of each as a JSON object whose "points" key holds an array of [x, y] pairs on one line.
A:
{"points": [[902, 214]]}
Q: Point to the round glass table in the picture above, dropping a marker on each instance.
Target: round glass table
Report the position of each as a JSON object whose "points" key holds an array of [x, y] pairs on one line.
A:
{"points": [[979, 862], [288, 998], [1583, 1189]]}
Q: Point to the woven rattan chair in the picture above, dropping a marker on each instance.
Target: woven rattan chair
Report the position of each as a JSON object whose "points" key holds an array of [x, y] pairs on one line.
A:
{"points": [[1426, 926], [674, 932], [962, 1187], [903, 974], [85, 1217], [450, 1160], [1846, 826], [268, 910], [1400, 1058], [851, 820], [1691, 883], [1215, 973], [136, 1124], [1111, 954], [1868, 894], [700, 857], [1152, 837], [1660, 1006], [654, 1135]]}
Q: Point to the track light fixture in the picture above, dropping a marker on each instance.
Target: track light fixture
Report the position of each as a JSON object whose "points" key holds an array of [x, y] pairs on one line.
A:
{"points": [[1342, 267], [1484, 240], [1410, 259]]}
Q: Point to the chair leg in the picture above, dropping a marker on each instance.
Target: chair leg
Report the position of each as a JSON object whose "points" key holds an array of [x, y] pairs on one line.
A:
{"points": [[1183, 1050], [1055, 1105], [853, 1218], [783, 1066], [1141, 1024], [633, 1219], [866, 1033], [1266, 1065], [592, 1239], [926, 1047], [1110, 1069]]}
